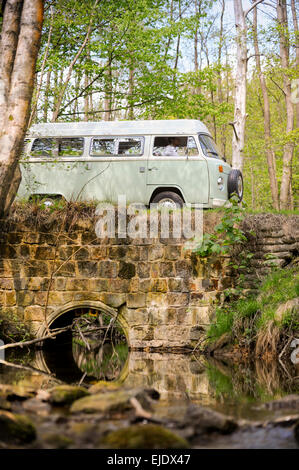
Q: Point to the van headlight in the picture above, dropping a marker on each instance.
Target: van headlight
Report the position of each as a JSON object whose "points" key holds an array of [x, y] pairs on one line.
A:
{"points": [[220, 183]]}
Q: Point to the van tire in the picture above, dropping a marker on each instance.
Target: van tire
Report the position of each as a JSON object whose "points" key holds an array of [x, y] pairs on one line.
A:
{"points": [[168, 196], [235, 184]]}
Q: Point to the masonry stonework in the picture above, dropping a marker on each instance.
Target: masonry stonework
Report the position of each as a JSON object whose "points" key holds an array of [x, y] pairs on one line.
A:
{"points": [[162, 295]]}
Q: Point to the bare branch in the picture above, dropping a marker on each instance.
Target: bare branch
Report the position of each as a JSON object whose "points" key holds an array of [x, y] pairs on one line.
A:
{"points": [[70, 69], [282, 91], [252, 7], [21, 344], [33, 111], [234, 128]]}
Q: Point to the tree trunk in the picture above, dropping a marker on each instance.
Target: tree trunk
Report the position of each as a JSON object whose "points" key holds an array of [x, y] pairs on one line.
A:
{"points": [[295, 23], [169, 37], [86, 99], [289, 146], [240, 87], [9, 41], [39, 86], [178, 44], [267, 122], [46, 96], [197, 5], [131, 90], [72, 64], [20, 40], [108, 93], [219, 78]]}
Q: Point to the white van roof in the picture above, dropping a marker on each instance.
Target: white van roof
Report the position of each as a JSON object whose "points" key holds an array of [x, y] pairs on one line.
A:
{"points": [[158, 127]]}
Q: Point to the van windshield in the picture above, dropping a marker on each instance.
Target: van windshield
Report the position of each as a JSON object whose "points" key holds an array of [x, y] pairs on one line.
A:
{"points": [[208, 146]]}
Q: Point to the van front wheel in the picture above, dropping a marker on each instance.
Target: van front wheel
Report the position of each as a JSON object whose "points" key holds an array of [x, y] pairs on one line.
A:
{"points": [[168, 200]]}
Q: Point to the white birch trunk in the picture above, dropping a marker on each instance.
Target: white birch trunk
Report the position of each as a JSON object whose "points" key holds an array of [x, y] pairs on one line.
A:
{"points": [[240, 87], [17, 73]]}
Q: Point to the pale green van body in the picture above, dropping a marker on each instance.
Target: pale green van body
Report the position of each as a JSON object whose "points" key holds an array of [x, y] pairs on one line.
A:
{"points": [[138, 177]]}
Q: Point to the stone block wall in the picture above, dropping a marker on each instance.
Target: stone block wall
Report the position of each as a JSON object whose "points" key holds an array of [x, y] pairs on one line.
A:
{"points": [[163, 296], [274, 242]]}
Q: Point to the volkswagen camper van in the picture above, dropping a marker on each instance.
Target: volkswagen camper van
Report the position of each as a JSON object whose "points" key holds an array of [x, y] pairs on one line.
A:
{"points": [[169, 162]]}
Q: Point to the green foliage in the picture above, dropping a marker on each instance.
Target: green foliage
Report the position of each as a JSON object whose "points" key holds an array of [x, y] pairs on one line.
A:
{"points": [[223, 323], [227, 233], [245, 317], [139, 62], [12, 328]]}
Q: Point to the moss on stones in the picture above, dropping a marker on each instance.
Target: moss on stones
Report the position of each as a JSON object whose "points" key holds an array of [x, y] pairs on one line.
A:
{"points": [[56, 441], [66, 394], [103, 402], [16, 428], [148, 436], [103, 386]]}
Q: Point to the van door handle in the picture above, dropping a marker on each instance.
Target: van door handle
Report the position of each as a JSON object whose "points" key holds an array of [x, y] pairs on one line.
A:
{"points": [[154, 168], [142, 169]]}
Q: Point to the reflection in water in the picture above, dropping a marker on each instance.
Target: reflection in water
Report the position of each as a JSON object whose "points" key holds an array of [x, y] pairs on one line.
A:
{"points": [[236, 389], [95, 349], [71, 361], [103, 363]]}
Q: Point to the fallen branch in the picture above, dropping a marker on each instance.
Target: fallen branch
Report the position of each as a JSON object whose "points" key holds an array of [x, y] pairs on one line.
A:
{"points": [[283, 351], [52, 335], [31, 369], [140, 412], [82, 336]]}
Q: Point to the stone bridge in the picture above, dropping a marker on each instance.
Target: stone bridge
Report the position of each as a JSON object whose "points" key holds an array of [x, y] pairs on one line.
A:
{"points": [[162, 295]]}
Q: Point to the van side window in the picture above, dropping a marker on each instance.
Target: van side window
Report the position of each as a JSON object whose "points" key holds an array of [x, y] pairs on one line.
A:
{"points": [[175, 146], [130, 146], [192, 147], [70, 146], [43, 148], [58, 147], [208, 146], [103, 147]]}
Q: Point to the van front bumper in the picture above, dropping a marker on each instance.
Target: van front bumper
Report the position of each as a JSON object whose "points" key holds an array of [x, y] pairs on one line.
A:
{"points": [[218, 202]]}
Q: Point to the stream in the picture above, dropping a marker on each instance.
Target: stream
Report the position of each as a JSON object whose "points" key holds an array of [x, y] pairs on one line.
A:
{"points": [[235, 389]]}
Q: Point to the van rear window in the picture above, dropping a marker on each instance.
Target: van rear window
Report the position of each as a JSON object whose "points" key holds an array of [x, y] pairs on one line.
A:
{"points": [[58, 147]]}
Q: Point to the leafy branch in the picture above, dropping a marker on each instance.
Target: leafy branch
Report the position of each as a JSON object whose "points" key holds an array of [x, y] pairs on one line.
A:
{"points": [[227, 233]]}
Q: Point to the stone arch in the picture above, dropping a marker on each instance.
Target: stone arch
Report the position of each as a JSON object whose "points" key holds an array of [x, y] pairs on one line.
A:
{"points": [[92, 304]]}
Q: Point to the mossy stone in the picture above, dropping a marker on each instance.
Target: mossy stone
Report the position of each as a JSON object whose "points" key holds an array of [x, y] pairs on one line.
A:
{"points": [[16, 428], [16, 392], [104, 402], [4, 404], [66, 394], [103, 386], [81, 429], [148, 436], [57, 441], [127, 270]]}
